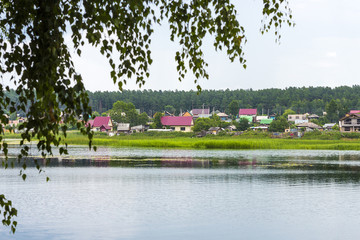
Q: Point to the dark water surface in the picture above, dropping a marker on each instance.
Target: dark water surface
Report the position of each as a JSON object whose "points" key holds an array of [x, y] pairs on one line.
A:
{"points": [[188, 194]]}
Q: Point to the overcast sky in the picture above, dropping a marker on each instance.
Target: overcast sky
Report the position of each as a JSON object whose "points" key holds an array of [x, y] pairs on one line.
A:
{"points": [[323, 49]]}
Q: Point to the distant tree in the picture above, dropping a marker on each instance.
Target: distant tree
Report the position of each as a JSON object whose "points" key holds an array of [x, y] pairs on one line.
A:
{"points": [[203, 124], [95, 114], [287, 112], [279, 125], [143, 119], [336, 127], [170, 109], [233, 108], [243, 124], [332, 111], [215, 120], [157, 120], [126, 113]]}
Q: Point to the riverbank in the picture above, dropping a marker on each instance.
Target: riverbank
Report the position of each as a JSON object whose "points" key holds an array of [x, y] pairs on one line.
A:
{"points": [[330, 141]]}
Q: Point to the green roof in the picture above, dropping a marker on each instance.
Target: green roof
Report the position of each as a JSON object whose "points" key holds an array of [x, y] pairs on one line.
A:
{"points": [[249, 118], [266, 121]]}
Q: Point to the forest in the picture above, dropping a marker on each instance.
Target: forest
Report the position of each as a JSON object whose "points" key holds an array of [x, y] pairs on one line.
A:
{"points": [[272, 101]]}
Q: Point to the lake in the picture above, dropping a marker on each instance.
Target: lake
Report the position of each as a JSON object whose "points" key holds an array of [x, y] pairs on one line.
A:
{"points": [[131, 193]]}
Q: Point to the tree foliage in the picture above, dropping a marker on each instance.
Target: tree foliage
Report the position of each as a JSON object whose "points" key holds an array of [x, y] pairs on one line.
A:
{"points": [[157, 120], [287, 112], [203, 124], [34, 52], [206, 123], [123, 112], [242, 125], [279, 125], [332, 110], [311, 100], [233, 108], [170, 109]]}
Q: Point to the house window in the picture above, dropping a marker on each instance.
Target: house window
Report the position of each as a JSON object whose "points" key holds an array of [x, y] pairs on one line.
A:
{"points": [[182, 128], [172, 128], [290, 117], [347, 129], [297, 117], [347, 121], [358, 121]]}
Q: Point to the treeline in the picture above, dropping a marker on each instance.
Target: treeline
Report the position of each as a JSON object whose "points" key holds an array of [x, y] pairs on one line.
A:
{"points": [[301, 100]]}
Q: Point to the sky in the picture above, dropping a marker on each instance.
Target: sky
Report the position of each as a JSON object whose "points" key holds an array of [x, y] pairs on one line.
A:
{"points": [[323, 49]]}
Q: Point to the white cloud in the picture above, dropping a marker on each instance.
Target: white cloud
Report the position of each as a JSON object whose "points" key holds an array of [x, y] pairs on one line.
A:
{"points": [[331, 54]]}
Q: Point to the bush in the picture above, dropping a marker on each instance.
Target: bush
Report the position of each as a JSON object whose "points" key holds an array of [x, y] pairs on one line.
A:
{"points": [[350, 135]]}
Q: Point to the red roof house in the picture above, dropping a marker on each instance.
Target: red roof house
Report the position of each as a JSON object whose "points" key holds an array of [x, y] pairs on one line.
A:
{"points": [[90, 123], [103, 124], [178, 123], [247, 111]]}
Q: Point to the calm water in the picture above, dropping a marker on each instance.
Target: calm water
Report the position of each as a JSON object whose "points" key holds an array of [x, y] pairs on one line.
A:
{"points": [[189, 194]]}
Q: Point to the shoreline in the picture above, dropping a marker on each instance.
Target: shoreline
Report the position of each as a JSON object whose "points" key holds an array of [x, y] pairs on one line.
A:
{"points": [[178, 140]]}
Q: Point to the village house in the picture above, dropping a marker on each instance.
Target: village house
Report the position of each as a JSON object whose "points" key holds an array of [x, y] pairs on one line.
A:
{"points": [[329, 126], [298, 118], [313, 116], [248, 113], [249, 118], [180, 124], [350, 123], [102, 124], [138, 128], [309, 126], [201, 112], [223, 116], [215, 130], [260, 118], [123, 127], [187, 114]]}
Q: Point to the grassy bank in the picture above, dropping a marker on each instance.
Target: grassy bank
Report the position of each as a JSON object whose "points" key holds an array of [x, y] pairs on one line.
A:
{"points": [[246, 141], [216, 142]]}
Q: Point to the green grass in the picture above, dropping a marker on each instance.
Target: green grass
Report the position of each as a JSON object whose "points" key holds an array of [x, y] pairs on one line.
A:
{"points": [[333, 141], [214, 142]]}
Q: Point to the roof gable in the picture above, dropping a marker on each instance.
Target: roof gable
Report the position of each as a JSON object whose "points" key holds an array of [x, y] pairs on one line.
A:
{"points": [[247, 111], [353, 115], [176, 121], [99, 121]]}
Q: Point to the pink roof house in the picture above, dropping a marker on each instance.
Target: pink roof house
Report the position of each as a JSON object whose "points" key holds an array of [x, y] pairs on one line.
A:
{"points": [[180, 123], [103, 124], [354, 111], [247, 111]]}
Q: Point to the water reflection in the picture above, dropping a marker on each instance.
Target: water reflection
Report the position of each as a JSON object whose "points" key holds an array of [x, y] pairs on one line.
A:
{"points": [[188, 194]]}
